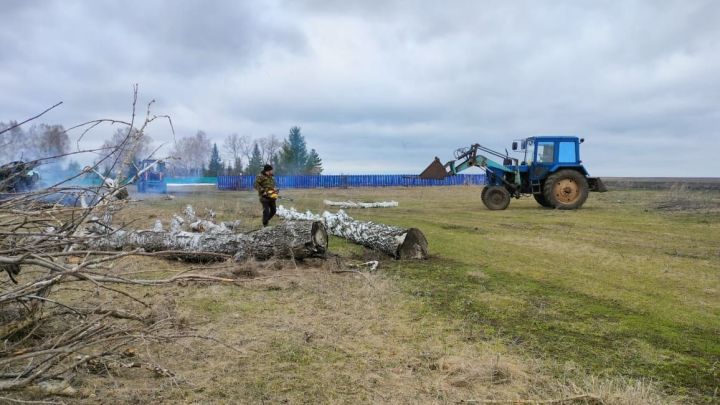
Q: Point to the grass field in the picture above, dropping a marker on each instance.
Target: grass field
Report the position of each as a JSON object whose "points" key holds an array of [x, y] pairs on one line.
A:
{"points": [[619, 300]]}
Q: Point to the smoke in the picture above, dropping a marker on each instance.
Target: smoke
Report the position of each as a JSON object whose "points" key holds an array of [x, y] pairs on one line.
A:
{"points": [[48, 144], [37, 142]]}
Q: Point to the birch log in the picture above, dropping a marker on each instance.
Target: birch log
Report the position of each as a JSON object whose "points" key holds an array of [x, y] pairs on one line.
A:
{"points": [[400, 243], [292, 239], [359, 204]]}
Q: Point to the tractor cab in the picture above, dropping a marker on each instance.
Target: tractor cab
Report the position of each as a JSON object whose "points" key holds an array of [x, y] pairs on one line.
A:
{"points": [[544, 155], [549, 150]]}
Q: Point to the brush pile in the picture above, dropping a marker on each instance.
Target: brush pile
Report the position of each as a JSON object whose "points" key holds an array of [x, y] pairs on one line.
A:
{"points": [[63, 308]]}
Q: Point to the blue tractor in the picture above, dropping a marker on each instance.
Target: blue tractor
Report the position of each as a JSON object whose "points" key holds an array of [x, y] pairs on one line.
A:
{"points": [[550, 170], [152, 177]]}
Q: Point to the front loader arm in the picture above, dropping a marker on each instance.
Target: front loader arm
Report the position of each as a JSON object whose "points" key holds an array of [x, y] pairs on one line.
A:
{"points": [[477, 161], [464, 159]]}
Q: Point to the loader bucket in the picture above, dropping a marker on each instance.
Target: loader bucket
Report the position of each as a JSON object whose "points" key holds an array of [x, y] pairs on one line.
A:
{"points": [[596, 184], [436, 171]]}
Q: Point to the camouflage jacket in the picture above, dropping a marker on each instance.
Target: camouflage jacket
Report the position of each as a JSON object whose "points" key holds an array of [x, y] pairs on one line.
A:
{"points": [[264, 183]]}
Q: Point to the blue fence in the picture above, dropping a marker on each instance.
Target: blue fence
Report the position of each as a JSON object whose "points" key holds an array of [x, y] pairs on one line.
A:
{"points": [[191, 180], [342, 181]]}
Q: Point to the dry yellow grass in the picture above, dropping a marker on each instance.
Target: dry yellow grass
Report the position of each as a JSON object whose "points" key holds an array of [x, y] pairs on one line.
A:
{"points": [[307, 335], [310, 336]]}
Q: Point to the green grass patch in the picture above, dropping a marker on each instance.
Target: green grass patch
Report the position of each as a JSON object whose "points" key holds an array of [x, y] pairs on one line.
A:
{"points": [[622, 289], [547, 319]]}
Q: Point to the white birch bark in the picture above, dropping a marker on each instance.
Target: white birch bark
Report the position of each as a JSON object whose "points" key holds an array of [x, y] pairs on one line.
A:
{"points": [[397, 242], [292, 239], [358, 204]]}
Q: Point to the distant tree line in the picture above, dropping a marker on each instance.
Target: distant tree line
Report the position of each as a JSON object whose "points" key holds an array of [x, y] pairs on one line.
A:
{"points": [[39, 141], [51, 143], [196, 156], [193, 155]]}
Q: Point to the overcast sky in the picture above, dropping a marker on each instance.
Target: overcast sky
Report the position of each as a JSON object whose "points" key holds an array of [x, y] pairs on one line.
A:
{"points": [[384, 86]]}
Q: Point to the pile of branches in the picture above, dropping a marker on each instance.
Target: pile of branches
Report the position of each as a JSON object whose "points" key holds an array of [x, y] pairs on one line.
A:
{"points": [[63, 306]]}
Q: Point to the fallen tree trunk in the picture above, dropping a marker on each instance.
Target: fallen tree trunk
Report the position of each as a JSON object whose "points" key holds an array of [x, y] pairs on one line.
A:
{"points": [[394, 241], [353, 204], [293, 239], [397, 242]]}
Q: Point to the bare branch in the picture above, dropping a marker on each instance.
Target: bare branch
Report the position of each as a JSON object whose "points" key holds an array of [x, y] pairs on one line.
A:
{"points": [[29, 119], [43, 235]]}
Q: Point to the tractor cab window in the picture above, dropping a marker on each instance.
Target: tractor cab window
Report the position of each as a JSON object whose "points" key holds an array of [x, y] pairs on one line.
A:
{"points": [[545, 152], [566, 153], [529, 150]]}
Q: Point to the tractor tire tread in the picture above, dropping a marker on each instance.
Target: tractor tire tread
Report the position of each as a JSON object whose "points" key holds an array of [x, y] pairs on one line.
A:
{"points": [[577, 177], [495, 198], [540, 198]]}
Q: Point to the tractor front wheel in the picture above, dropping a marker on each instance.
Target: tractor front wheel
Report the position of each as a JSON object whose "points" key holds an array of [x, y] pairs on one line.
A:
{"points": [[495, 197], [566, 189]]}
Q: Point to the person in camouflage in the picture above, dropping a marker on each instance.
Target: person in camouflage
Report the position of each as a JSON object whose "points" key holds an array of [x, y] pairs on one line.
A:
{"points": [[265, 186]]}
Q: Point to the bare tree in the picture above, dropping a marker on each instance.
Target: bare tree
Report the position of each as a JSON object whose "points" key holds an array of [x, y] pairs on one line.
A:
{"points": [[13, 142], [192, 154], [269, 147], [52, 141], [37, 142], [236, 146], [232, 146], [121, 150], [246, 147]]}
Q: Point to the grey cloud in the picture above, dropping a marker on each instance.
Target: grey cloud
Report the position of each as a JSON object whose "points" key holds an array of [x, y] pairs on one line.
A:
{"points": [[383, 84]]}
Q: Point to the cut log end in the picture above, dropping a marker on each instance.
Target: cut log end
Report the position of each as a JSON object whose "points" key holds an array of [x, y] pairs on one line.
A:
{"points": [[414, 246], [319, 236]]}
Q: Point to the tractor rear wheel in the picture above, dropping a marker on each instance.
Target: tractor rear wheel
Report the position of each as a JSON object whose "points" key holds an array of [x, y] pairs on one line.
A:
{"points": [[540, 198], [495, 197], [566, 189]]}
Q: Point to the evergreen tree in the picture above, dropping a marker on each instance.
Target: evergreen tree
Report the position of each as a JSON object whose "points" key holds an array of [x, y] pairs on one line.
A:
{"points": [[238, 167], [314, 163], [283, 159], [255, 164], [293, 157], [275, 162], [215, 167]]}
